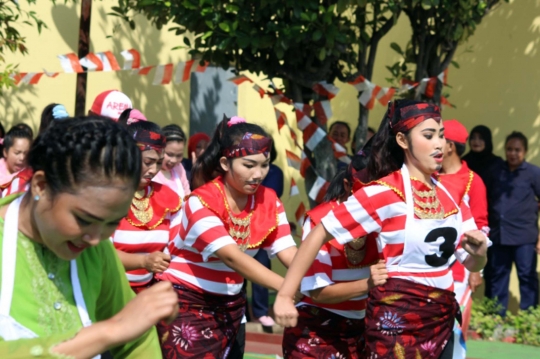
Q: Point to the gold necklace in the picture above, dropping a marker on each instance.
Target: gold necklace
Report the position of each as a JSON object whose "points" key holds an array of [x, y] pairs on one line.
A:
{"points": [[240, 230], [428, 206], [140, 207], [355, 252]]}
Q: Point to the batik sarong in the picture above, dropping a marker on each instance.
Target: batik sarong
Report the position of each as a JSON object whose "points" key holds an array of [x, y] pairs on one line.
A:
{"points": [[206, 325], [407, 320], [323, 334]]}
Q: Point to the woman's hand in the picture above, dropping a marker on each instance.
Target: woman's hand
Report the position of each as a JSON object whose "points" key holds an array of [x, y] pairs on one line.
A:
{"points": [[156, 262], [285, 312], [379, 274], [475, 280], [475, 243], [159, 302]]}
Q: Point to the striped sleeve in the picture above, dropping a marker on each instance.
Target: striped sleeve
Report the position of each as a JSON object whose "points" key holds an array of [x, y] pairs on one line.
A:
{"points": [[320, 273], [356, 217], [281, 238], [202, 229]]}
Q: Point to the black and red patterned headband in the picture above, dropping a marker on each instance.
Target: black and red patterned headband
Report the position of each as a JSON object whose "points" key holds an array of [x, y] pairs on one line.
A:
{"points": [[149, 140], [251, 144], [412, 115]]}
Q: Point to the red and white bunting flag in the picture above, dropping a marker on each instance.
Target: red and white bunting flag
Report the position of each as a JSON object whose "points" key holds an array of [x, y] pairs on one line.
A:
{"points": [[323, 111], [293, 160], [319, 189], [385, 95], [29, 78], [305, 163], [300, 213], [163, 75], [325, 89], [238, 80], [294, 137], [70, 63], [203, 67], [281, 118], [92, 62], [340, 153], [368, 91], [407, 85], [143, 70], [443, 77], [279, 98], [50, 74], [294, 189], [422, 86], [313, 134], [305, 108], [360, 83], [259, 89], [132, 59], [183, 71]]}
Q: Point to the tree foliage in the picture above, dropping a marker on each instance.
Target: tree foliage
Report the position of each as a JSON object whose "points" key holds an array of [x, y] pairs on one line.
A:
{"points": [[438, 27]]}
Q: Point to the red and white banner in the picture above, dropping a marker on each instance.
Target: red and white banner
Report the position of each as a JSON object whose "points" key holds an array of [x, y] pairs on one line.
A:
{"points": [[143, 71], [300, 213], [323, 111], [101, 61], [70, 63], [30, 78], [163, 75], [183, 71], [132, 59], [259, 89], [238, 80], [326, 89], [294, 189], [319, 189], [281, 118], [340, 153], [313, 134]]}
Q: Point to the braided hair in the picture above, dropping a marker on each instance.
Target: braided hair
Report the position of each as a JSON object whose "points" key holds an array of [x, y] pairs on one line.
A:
{"points": [[85, 150], [207, 166]]}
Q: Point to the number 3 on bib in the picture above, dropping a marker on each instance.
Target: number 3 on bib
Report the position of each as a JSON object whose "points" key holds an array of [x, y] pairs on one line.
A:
{"points": [[449, 234]]}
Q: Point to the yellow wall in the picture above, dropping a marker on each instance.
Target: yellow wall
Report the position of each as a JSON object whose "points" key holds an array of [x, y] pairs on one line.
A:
{"points": [[498, 83]]}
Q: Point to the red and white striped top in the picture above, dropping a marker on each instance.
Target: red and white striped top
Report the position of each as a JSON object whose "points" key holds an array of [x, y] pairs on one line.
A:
{"points": [[202, 233], [380, 208], [331, 267], [19, 183], [131, 237]]}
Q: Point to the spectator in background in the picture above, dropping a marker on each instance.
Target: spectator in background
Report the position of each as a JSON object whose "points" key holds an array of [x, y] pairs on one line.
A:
{"points": [[513, 193], [480, 158], [340, 132], [172, 172], [259, 294], [110, 104], [50, 113], [196, 146], [16, 146]]}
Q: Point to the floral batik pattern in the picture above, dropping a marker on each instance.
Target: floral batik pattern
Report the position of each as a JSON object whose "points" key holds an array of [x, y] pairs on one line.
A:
{"points": [[323, 334], [407, 320], [205, 327]]}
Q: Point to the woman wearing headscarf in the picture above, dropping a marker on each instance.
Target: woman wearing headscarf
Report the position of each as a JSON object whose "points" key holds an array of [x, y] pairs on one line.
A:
{"points": [[481, 158]]}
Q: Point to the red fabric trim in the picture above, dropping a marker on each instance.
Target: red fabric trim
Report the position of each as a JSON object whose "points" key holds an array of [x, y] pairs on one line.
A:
{"points": [[163, 201]]}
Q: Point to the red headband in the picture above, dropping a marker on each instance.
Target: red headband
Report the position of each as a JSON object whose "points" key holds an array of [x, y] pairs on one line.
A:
{"points": [[412, 115], [149, 140], [251, 144]]}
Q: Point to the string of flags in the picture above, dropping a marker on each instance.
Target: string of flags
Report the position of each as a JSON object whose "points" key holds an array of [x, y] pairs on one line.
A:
{"points": [[106, 61]]}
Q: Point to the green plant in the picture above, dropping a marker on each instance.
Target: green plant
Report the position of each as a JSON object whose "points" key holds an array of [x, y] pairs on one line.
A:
{"points": [[523, 327]]}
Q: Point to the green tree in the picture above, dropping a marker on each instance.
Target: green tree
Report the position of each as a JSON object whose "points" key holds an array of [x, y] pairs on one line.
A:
{"points": [[438, 27], [12, 16], [302, 42]]}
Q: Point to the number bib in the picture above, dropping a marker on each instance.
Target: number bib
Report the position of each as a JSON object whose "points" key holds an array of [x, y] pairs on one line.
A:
{"points": [[429, 243]]}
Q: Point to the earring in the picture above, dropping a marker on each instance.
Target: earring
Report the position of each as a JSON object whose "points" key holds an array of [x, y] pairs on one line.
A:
{"points": [[36, 198]]}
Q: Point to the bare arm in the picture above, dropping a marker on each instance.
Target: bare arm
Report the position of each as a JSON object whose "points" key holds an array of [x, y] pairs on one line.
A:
{"points": [[286, 256], [284, 309], [155, 262], [475, 243], [248, 267]]}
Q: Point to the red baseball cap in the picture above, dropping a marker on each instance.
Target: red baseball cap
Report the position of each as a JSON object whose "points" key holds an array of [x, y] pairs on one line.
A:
{"points": [[455, 131], [111, 104]]}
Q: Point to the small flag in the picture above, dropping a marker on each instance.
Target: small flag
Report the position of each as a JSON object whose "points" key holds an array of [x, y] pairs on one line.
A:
{"points": [[319, 189], [305, 164], [259, 89], [340, 153], [294, 189], [300, 212], [132, 59], [30, 78], [163, 75], [238, 80], [323, 111], [183, 71], [143, 70], [293, 160], [325, 89], [70, 63], [385, 95], [281, 118]]}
